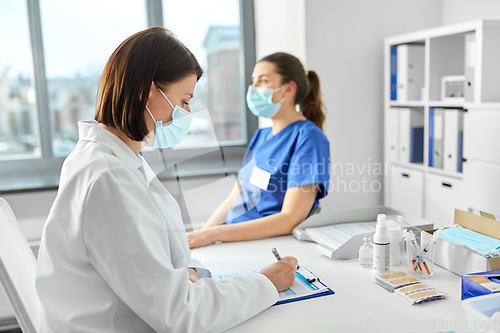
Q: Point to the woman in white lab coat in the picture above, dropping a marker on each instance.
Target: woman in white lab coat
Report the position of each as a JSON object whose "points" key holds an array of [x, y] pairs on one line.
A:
{"points": [[114, 255]]}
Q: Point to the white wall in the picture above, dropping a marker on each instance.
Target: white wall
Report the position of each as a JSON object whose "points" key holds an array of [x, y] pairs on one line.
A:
{"points": [[344, 44], [456, 11]]}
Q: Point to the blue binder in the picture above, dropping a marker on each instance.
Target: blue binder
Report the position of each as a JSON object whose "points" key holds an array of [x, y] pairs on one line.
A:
{"points": [[431, 136], [394, 73], [416, 145], [460, 151]]}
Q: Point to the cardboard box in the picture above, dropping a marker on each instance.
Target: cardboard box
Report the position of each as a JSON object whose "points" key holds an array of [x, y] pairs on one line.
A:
{"points": [[479, 284], [462, 260]]}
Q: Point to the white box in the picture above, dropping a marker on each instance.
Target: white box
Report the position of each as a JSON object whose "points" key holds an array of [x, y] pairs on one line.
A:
{"points": [[483, 312], [411, 69]]}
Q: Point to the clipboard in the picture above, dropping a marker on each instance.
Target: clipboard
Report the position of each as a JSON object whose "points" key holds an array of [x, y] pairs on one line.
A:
{"points": [[300, 290], [291, 300]]}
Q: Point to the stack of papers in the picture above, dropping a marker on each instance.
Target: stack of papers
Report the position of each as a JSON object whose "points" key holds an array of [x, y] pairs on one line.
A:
{"points": [[336, 235], [300, 289]]}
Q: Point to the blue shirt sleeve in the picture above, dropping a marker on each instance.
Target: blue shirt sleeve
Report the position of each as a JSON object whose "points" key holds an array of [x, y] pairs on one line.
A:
{"points": [[310, 162]]}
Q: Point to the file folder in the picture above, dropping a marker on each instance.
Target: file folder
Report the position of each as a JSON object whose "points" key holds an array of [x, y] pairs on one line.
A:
{"points": [[431, 137], [436, 128], [460, 151], [417, 145], [393, 135], [470, 66], [408, 119], [394, 73], [410, 72], [453, 124]]}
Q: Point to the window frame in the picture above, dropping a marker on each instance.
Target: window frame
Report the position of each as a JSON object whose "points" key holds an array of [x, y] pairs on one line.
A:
{"points": [[32, 173]]}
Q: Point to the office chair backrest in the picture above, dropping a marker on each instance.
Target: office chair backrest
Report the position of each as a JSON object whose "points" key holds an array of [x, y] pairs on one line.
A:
{"points": [[17, 271]]}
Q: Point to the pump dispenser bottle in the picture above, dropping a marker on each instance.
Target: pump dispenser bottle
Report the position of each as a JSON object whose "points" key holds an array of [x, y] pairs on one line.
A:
{"points": [[381, 246]]}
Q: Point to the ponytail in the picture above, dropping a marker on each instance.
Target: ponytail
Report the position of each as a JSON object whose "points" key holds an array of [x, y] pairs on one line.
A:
{"points": [[307, 95], [312, 107]]}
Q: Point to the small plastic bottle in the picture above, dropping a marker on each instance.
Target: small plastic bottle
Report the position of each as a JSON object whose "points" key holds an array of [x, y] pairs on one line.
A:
{"points": [[381, 247], [366, 253], [396, 236]]}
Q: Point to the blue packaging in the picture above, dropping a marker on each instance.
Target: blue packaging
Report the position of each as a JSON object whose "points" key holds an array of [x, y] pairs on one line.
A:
{"points": [[478, 284]]}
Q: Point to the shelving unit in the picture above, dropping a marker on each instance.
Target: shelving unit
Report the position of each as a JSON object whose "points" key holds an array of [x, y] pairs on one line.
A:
{"points": [[430, 192]]}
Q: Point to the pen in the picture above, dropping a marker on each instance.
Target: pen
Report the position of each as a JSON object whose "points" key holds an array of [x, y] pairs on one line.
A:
{"points": [[277, 255]]}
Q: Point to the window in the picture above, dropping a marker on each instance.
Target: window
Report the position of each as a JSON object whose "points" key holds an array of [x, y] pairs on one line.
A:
{"points": [[78, 38], [19, 136], [52, 56], [211, 31]]}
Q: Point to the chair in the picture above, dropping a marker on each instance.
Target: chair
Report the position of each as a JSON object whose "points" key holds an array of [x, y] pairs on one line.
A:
{"points": [[314, 210], [17, 271]]}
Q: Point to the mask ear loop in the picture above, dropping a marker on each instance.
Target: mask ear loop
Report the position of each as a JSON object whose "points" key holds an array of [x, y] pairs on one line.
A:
{"points": [[274, 90], [150, 114], [164, 96]]}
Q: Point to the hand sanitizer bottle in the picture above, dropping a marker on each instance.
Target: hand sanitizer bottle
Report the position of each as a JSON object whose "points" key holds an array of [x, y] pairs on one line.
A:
{"points": [[381, 247], [366, 253]]}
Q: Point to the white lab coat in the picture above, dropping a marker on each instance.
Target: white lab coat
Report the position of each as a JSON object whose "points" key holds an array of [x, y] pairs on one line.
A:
{"points": [[114, 253]]}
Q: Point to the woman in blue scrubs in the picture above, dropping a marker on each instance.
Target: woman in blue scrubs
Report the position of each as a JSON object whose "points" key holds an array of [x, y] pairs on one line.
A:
{"points": [[286, 169]]}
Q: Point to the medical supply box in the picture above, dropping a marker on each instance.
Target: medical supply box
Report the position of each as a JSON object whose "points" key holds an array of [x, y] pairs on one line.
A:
{"points": [[478, 284], [462, 260]]}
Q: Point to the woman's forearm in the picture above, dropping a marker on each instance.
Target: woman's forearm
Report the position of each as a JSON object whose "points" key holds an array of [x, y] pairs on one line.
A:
{"points": [[269, 226], [218, 216]]}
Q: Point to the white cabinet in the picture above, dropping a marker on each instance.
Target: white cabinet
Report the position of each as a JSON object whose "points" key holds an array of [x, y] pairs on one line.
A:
{"points": [[443, 195], [469, 50], [482, 186], [407, 191], [482, 135]]}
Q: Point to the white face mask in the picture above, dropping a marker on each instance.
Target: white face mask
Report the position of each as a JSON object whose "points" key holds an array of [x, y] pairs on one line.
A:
{"points": [[172, 134]]}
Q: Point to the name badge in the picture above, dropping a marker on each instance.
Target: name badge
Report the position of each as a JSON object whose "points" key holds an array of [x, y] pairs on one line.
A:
{"points": [[260, 178]]}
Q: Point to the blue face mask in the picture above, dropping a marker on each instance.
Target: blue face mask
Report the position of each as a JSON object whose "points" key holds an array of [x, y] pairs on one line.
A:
{"points": [[486, 246], [260, 101], [172, 134]]}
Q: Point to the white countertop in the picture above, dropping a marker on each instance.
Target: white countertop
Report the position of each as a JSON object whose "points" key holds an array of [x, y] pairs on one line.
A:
{"points": [[358, 305]]}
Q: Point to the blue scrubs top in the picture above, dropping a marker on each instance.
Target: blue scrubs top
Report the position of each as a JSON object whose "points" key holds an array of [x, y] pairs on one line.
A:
{"points": [[298, 155]]}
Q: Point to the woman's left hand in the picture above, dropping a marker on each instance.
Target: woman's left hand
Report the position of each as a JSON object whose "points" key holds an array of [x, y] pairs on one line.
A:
{"points": [[202, 237]]}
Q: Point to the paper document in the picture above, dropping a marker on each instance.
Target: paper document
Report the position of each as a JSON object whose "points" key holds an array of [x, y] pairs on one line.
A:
{"points": [[300, 289], [334, 236]]}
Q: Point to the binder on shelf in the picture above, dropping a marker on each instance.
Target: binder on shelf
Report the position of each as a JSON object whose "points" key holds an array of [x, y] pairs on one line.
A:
{"points": [[460, 159], [470, 65], [437, 144], [393, 134], [410, 63], [394, 73], [409, 120], [453, 124], [417, 145], [431, 137]]}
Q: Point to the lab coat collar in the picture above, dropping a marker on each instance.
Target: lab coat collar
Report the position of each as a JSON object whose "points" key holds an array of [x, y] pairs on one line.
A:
{"points": [[90, 131], [148, 172]]}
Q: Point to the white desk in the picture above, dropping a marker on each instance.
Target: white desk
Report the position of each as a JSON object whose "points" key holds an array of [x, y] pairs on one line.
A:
{"points": [[359, 305]]}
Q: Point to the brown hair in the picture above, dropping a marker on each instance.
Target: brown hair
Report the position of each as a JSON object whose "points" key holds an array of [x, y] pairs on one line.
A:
{"points": [[150, 55], [308, 94]]}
